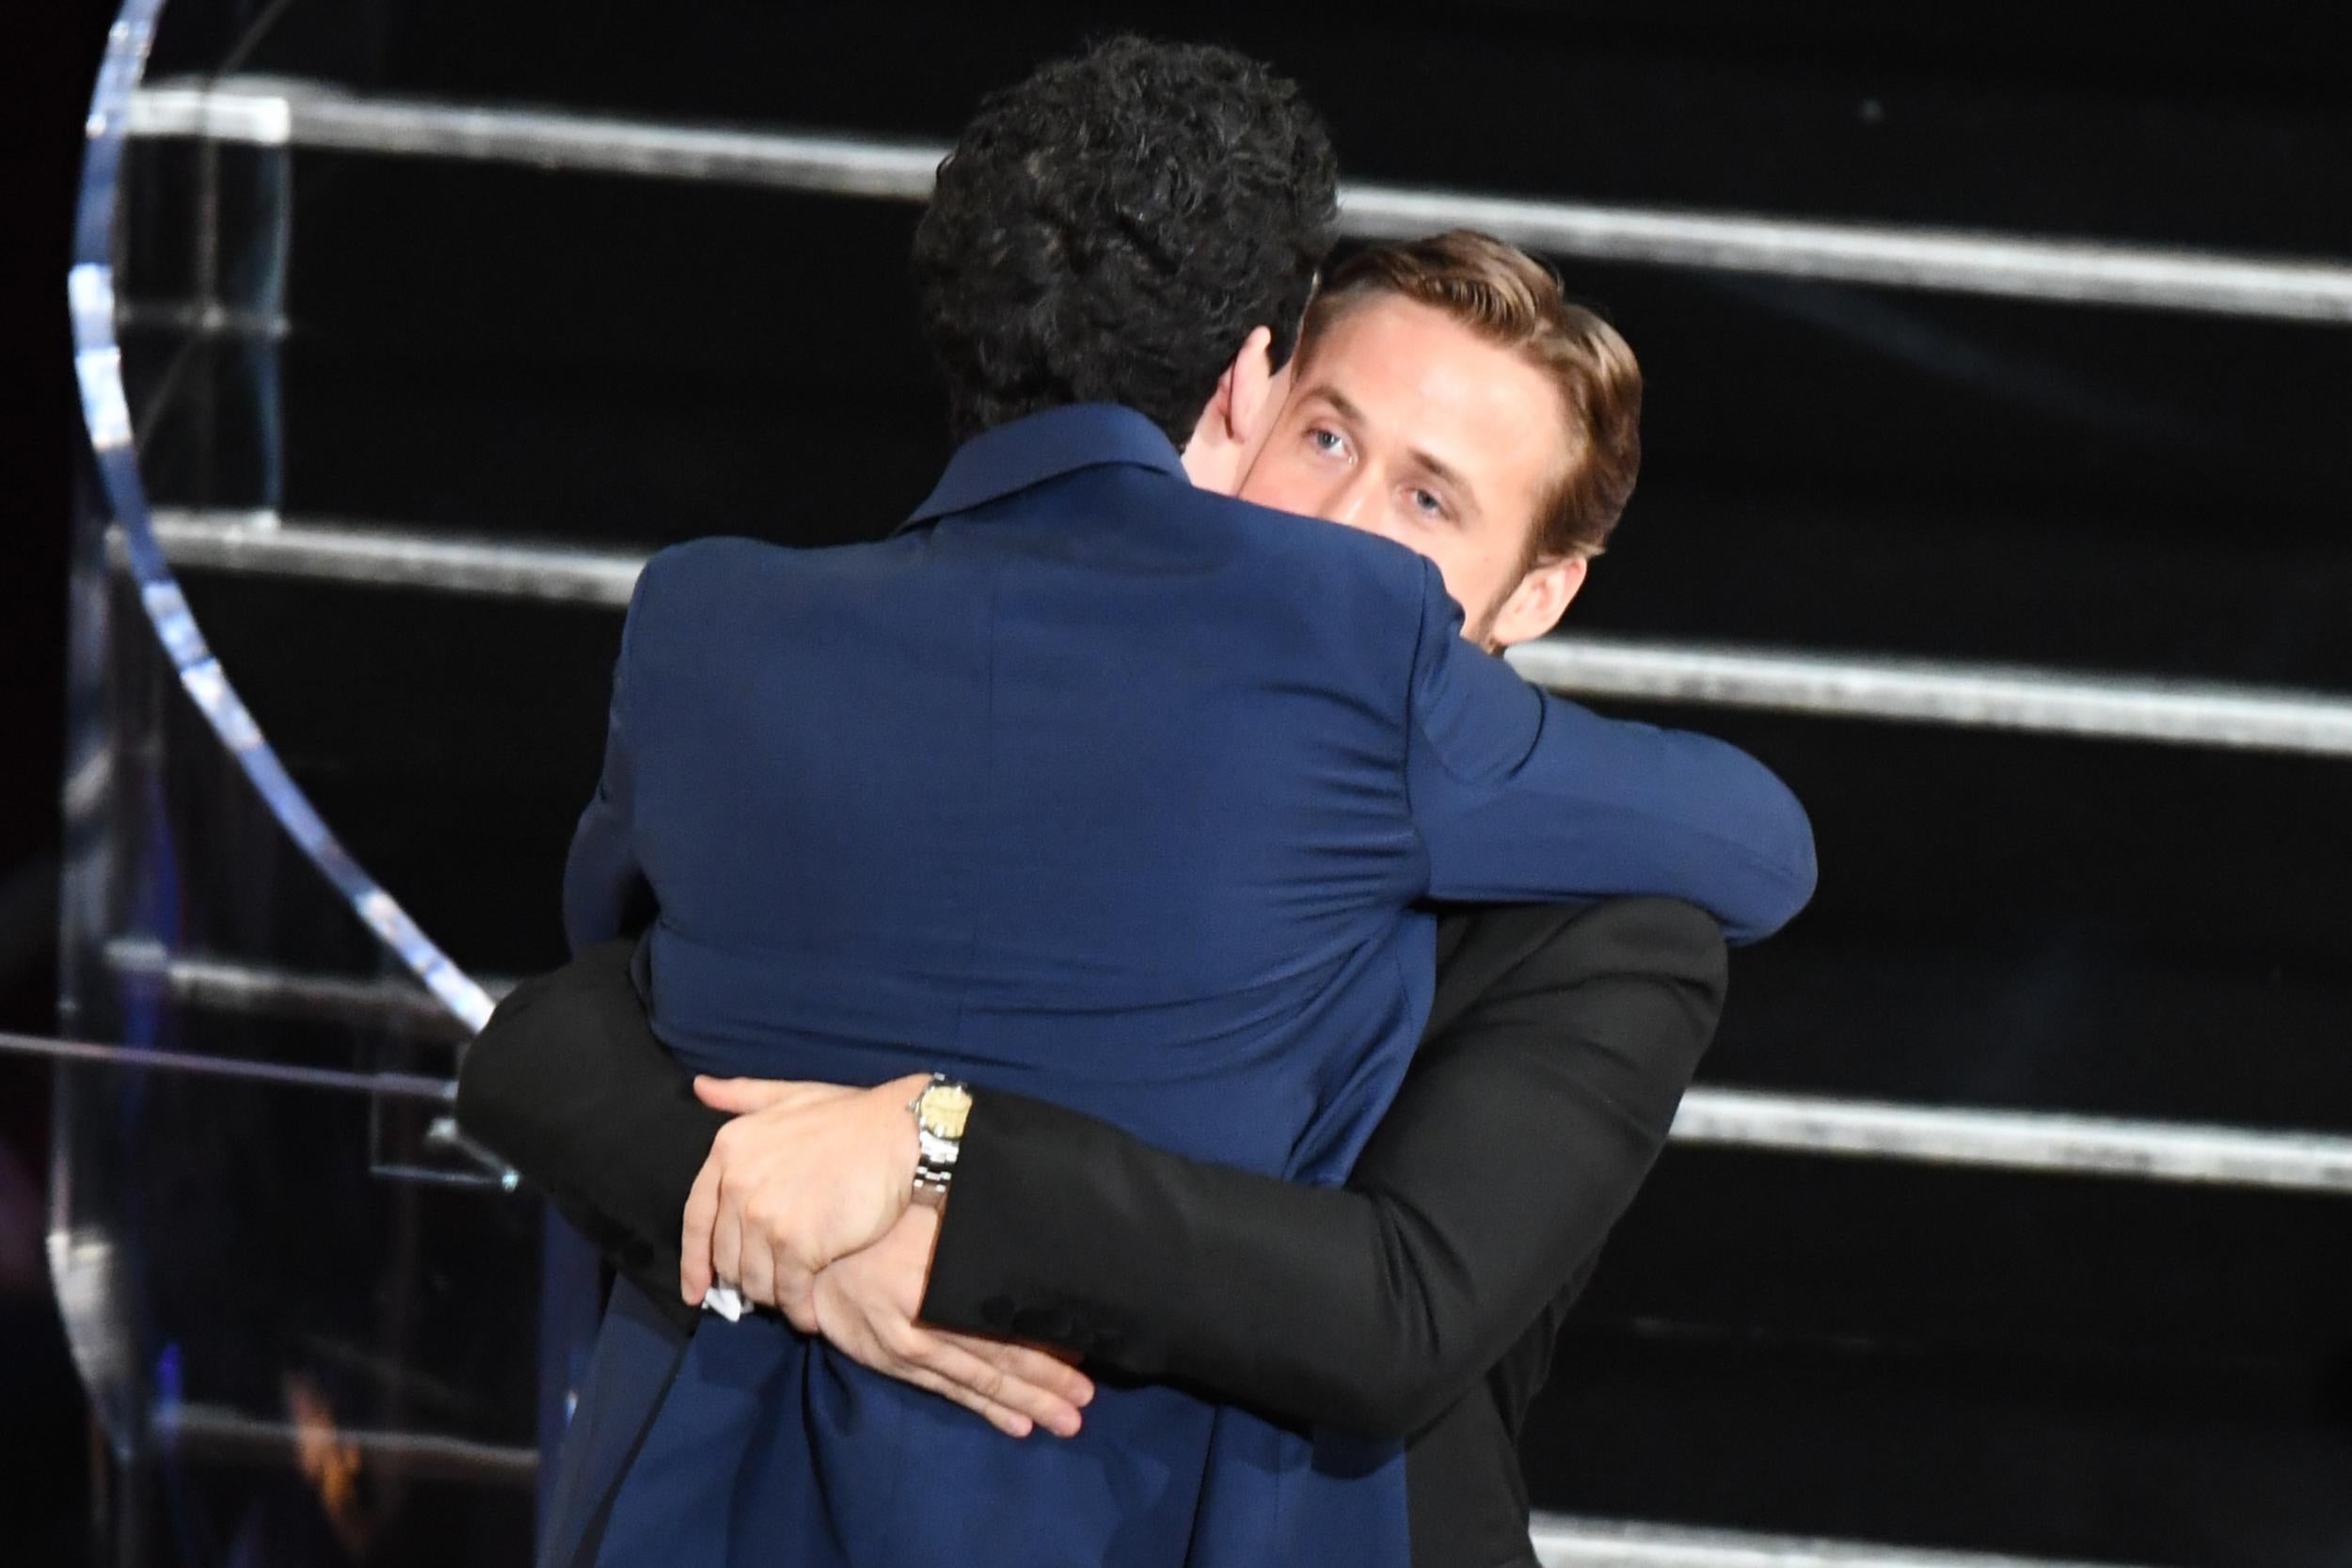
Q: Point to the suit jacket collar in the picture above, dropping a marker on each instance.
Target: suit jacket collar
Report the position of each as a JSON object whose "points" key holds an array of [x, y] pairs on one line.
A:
{"points": [[1012, 457]]}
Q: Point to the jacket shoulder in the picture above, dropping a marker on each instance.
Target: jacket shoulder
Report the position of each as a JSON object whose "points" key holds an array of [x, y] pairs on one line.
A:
{"points": [[1357, 584], [717, 586], [1313, 541], [709, 565]]}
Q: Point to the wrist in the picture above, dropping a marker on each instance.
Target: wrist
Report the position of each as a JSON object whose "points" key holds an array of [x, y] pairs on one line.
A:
{"points": [[940, 1111], [900, 1136]]}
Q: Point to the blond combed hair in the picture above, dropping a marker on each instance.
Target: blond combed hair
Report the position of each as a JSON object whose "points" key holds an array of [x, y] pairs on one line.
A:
{"points": [[1516, 302]]}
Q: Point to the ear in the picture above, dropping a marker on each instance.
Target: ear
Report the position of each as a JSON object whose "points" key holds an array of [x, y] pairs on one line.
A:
{"points": [[1246, 388], [1535, 605], [1239, 413]]}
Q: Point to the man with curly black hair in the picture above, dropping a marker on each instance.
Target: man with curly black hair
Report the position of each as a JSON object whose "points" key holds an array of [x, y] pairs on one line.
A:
{"points": [[1092, 782], [1199, 216]]}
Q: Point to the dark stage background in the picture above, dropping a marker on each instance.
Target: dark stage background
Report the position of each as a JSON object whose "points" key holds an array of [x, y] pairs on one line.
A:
{"points": [[47, 55], [2043, 1364]]}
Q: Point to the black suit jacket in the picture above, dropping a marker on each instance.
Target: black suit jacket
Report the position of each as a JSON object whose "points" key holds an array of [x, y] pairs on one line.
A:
{"points": [[1420, 1299]]}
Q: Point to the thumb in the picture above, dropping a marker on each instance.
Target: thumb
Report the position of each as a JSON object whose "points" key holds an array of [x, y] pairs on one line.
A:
{"points": [[738, 1096]]}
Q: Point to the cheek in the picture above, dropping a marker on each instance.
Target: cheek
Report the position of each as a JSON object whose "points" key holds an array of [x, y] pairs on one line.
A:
{"points": [[1466, 579], [1478, 575], [1271, 483]]}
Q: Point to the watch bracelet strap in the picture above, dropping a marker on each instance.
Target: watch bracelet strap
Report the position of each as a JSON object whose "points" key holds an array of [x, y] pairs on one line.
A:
{"points": [[935, 1161], [935, 1154]]}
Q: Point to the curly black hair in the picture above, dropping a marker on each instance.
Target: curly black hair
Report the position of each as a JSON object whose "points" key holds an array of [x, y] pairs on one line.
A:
{"points": [[1111, 229]]}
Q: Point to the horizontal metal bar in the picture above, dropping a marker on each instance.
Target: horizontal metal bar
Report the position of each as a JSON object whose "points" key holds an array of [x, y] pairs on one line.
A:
{"points": [[203, 320], [216, 1431], [1948, 261], [1564, 1541], [2037, 1141], [397, 1086], [2183, 1152], [1920, 691], [1924, 691], [227, 986], [265, 112], [259, 542]]}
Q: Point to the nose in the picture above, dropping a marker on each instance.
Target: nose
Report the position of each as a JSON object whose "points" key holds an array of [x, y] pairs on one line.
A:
{"points": [[1350, 501]]}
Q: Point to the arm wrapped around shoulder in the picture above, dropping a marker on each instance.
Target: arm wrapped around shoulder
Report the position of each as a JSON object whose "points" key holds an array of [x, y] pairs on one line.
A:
{"points": [[1522, 797], [1559, 1049]]}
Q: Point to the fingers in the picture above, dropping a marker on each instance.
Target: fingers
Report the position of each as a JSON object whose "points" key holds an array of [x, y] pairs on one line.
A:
{"points": [[1039, 1367], [740, 1096], [755, 1267], [726, 1238], [1011, 1422], [880, 1343], [695, 1276], [988, 1383], [868, 1327], [796, 1298]]}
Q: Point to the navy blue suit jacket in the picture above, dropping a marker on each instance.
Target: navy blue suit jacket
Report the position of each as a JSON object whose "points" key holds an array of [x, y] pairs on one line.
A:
{"points": [[1098, 786]]}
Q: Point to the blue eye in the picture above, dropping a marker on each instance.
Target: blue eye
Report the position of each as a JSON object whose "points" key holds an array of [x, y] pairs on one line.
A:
{"points": [[1429, 504], [1325, 440]]}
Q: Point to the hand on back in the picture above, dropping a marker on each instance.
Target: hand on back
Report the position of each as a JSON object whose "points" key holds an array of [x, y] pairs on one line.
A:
{"points": [[866, 1307], [803, 1207], [804, 1174]]}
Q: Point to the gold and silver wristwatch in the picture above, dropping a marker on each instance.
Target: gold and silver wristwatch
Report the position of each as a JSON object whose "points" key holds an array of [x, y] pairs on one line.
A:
{"points": [[940, 1112]]}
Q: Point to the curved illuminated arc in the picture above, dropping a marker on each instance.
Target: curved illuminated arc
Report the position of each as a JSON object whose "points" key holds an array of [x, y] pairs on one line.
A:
{"points": [[106, 410]]}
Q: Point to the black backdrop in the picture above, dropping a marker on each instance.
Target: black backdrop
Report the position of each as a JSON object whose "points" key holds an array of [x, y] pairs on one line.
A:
{"points": [[2039, 1365], [47, 55]]}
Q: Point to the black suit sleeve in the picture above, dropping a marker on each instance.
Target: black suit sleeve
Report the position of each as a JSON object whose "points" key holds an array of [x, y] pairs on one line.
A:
{"points": [[568, 1084], [1530, 1118], [1526, 1126]]}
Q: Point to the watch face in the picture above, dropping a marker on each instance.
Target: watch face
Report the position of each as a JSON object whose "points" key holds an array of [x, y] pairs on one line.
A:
{"points": [[945, 1108]]}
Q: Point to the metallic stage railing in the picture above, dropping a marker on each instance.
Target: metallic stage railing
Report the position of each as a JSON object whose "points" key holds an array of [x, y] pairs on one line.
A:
{"points": [[140, 1058], [218, 1434], [1564, 1541], [1988, 1138], [1980, 1138], [1920, 691], [221, 985], [272, 113], [106, 410]]}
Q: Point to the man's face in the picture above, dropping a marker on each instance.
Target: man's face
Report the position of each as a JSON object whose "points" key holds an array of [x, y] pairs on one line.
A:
{"points": [[1404, 423]]}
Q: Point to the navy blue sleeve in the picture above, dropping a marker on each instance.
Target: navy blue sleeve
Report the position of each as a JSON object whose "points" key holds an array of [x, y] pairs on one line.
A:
{"points": [[605, 892], [1522, 797]]}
